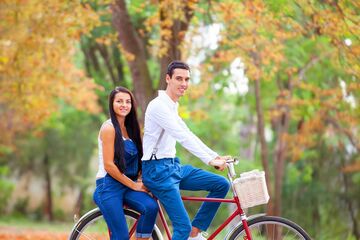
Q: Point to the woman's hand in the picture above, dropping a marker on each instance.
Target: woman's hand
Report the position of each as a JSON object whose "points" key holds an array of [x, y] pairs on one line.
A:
{"points": [[140, 187]]}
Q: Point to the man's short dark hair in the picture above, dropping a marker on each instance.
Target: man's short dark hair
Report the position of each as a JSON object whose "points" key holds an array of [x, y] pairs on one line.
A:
{"points": [[176, 64]]}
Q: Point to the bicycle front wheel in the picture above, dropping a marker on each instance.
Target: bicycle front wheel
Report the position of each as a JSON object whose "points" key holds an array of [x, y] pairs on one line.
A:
{"points": [[92, 226], [270, 228]]}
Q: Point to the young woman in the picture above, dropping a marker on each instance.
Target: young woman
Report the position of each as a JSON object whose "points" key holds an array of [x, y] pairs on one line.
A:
{"points": [[118, 179]]}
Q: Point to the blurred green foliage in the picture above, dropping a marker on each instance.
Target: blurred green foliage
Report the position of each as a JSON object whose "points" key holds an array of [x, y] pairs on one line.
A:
{"points": [[317, 194], [6, 188]]}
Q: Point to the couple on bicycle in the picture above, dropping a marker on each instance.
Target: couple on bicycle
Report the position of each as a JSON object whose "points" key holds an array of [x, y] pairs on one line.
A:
{"points": [[129, 169]]}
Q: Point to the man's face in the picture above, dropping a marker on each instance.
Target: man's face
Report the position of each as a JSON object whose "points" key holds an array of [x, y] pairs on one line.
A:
{"points": [[178, 83]]}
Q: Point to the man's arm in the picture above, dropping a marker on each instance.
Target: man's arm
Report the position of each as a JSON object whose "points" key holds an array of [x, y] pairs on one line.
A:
{"points": [[169, 122], [201, 143], [219, 162]]}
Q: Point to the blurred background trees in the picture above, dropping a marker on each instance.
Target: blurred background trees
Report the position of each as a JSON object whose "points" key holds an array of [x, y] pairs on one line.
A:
{"points": [[273, 82]]}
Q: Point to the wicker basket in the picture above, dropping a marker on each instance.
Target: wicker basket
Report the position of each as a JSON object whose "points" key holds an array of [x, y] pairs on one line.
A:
{"points": [[251, 189]]}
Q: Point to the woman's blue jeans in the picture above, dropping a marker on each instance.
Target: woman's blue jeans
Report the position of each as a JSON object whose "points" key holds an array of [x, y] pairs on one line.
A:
{"points": [[165, 177], [110, 196]]}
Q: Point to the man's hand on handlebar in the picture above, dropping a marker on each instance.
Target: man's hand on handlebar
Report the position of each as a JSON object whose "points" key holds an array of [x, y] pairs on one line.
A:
{"points": [[219, 162]]}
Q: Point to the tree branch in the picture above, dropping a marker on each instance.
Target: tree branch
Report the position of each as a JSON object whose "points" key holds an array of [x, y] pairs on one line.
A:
{"points": [[346, 132]]}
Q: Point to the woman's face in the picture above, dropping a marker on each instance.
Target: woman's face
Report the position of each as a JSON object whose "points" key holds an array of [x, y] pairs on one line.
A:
{"points": [[122, 104]]}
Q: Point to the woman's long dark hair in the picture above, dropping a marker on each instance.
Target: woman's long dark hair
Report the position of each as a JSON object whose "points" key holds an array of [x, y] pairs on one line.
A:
{"points": [[132, 127]]}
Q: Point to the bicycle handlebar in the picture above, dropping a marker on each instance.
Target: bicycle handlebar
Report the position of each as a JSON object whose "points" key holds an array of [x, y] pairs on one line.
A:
{"points": [[230, 165], [232, 160]]}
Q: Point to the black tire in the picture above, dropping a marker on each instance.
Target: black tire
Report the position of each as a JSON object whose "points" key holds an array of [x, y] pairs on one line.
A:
{"points": [[93, 226], [263, 228]]}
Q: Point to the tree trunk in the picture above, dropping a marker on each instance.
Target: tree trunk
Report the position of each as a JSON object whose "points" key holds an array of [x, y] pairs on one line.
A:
{"points": [[279, 163], [282, 127], [281, 145], [349, 202], [178, 30], [132, 44], [48, 211], [263, 145], [79, 204], [118, 65], [106, 56]]}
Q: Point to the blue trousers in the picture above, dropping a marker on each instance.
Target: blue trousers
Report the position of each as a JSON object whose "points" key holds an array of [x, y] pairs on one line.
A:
{"points": [[110, 195], [165, 177]]}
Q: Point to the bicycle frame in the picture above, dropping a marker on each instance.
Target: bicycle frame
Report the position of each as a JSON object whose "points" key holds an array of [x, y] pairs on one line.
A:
{"points": [[262, 226], [238, 212]]}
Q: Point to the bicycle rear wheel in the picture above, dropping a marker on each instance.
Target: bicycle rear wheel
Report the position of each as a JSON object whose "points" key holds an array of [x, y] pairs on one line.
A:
{"points": [[270, 228], [92, 226]]}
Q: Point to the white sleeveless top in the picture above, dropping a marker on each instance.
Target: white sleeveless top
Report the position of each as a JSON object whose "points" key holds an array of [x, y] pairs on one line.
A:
{"points": [[101, 169]]}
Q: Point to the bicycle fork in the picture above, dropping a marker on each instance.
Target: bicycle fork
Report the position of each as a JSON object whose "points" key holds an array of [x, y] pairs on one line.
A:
{"points": [[246, 227], [231, 175]]}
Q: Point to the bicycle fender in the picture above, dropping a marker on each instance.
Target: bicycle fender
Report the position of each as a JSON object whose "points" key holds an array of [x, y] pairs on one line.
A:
{"points": [[239, 224], [87, 214], [82, 219], [158, 232]]}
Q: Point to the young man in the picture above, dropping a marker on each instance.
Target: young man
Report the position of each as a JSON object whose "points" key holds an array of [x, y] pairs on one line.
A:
{"points": [[162, 172]]}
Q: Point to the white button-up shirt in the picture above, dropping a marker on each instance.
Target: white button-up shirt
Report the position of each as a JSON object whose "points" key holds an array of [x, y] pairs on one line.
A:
{"points": [[162, 113]]}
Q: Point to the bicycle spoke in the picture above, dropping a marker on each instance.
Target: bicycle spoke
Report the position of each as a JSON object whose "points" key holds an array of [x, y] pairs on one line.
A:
{"points": [[86, 236], [93, 226]]}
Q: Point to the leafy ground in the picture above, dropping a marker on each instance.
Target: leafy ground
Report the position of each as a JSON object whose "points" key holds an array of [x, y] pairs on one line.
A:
{"points": [[14, 233], [24, 229]]}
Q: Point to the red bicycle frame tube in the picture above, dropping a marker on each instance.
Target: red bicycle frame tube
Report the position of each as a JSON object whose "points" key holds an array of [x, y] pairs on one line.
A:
{"points": [[163, 221], [133, 228], [204, 199], [237, 212], [243, 218]]}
